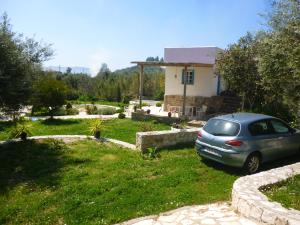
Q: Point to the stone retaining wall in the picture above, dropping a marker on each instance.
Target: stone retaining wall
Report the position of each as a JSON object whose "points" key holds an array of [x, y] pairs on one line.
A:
{"points": [[213, 103], [251, 203], [162, 119], [168, 138]]}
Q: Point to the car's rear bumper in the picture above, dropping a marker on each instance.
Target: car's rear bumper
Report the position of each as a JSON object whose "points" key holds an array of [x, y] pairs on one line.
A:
{"points": [[224, 156]]}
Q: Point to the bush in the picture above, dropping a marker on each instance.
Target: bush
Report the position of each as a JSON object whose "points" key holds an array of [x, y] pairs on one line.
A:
{"points": [[106, 111], [20, 130], [121, 116], [144, 127], [91, 109], [158, 104], [159, 95], [150, 153], [72, 111], [68, 106], [121, 110], [126, 100]]}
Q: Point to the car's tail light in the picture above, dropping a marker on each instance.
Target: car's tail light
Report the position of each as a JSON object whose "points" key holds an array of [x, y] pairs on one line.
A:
{"points": [[199, 135], [234, 142]]}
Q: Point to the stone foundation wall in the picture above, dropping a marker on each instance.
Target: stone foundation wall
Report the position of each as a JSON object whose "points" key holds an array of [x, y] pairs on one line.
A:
{"points": [[213, 103], [168, 138]]}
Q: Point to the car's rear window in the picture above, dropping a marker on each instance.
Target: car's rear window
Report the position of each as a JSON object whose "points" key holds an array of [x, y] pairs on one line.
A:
{"points": [[219, 127]]}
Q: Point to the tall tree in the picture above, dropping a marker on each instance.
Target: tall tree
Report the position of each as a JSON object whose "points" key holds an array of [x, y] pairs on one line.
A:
{"points": [[279, 61], [238, 66], [19, 62]]}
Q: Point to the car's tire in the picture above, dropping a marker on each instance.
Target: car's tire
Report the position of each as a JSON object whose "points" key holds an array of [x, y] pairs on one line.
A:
{"points": [[252, 164]]}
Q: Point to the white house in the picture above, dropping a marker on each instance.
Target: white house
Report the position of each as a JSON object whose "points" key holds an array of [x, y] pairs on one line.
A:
{"points": [[202, 82], [199, 92]]}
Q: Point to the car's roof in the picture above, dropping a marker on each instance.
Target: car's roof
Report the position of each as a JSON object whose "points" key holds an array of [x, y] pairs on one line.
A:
{"points": [[244, 117]]}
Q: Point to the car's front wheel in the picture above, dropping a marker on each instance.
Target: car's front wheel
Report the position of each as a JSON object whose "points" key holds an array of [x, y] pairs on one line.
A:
{"points": [[252, 163]]}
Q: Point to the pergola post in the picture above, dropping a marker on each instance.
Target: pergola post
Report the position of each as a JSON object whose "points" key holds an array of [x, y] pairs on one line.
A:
{"points": [[184, 89], [141, 84]]}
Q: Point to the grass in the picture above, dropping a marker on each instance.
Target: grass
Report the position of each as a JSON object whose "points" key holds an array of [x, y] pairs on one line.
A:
{"points": [[121, 129], [287, 192], [89, 182]]}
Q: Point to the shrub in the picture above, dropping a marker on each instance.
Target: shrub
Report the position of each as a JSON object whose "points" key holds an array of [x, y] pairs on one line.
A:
{"points": [[144, 127], [106, 111], [91, 109], [68, 106], [159, 95], [20, 130], [72, 111], [126, 100], [96, 127], [121, 116], [121, 110], [158, 104], [150, 153]]}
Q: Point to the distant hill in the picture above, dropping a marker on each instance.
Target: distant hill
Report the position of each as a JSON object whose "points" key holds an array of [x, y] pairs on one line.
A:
{"points": [[136, 69], [147, 69], [63, 69]]}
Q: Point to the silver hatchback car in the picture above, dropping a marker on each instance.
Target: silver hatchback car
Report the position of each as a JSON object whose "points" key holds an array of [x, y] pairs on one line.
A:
{"points": [[247, 140]]}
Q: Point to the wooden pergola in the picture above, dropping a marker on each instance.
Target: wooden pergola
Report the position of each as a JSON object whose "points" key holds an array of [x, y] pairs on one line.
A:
{"points": [[185, 65]]}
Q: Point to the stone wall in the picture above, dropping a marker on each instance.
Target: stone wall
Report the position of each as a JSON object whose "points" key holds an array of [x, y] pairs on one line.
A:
{"points": [[162, 119], [251, 203], [213, 103], [168, 138]]}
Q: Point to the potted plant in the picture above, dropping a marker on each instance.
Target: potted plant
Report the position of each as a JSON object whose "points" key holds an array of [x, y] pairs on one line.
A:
{"points": [[21, 131], [169, 114], [134, 108], [96, 128], [148, 111]]}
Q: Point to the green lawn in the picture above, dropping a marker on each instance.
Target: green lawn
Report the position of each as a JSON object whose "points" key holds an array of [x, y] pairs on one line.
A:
{"points": [[88, 182], [121, 129], [287, 193]]}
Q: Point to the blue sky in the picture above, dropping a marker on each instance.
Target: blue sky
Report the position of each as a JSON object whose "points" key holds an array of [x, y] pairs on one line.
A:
{"points": [[88, 33]]}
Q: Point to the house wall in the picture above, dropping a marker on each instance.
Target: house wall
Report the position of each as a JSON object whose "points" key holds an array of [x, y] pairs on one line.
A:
{"points": [[205, 82]]}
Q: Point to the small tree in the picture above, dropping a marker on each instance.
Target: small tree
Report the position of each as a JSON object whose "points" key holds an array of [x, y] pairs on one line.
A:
{"points": [[49, 93]]}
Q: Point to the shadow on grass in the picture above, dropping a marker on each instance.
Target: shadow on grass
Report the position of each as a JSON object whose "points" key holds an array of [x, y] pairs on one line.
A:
{"points": [[177, 147], [4, 125], [34, 163], [281, 162], [57, 122]]}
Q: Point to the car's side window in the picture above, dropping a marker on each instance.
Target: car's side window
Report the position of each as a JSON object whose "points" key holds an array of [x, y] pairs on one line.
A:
{"points": [[259, 128], [279, 127]]}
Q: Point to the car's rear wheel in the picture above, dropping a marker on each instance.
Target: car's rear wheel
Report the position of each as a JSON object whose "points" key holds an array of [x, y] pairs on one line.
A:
{"points": [[252, 163]]}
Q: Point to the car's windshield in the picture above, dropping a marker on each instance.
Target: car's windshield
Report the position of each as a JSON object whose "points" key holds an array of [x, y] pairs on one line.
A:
{"points": [[219, 127]]}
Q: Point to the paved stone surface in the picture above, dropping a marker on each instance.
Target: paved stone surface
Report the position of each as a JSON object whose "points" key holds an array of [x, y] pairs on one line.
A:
{"points": [[215, 214]]}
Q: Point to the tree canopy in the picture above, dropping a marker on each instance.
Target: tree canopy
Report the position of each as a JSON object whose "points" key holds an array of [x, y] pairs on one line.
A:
{"points": [[265, 66], [20, 59]]}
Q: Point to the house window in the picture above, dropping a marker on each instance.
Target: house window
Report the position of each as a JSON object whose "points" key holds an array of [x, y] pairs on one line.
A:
{"points": [[189, 78]]}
